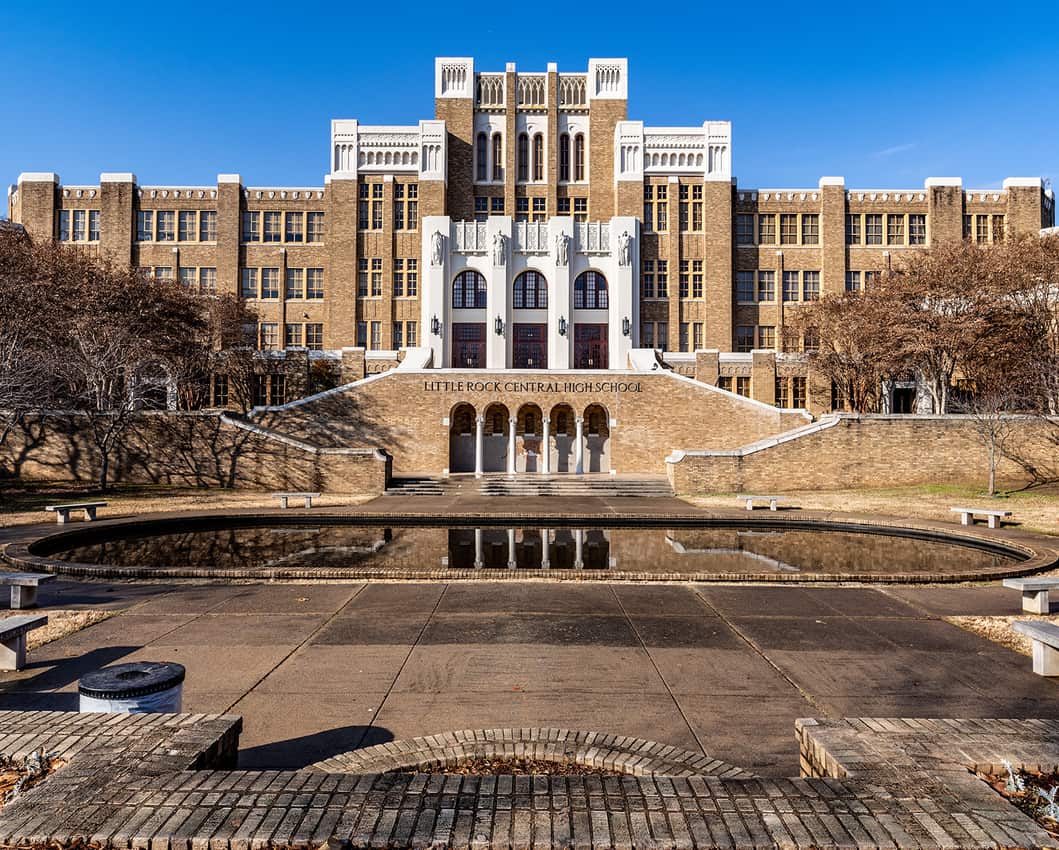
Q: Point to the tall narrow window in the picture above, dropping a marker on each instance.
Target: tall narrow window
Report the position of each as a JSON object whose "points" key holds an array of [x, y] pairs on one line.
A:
{"points": [[564, 157], [538, 157], [523, 157], [579, 157], [80, 226], [498, 157], [482, 155]]}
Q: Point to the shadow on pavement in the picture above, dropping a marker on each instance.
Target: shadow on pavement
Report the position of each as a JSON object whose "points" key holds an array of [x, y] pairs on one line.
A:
{"points": [[296, 753]]}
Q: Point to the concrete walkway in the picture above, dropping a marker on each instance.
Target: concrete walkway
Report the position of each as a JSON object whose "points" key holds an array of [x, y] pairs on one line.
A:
{"points": [[316, 670]]}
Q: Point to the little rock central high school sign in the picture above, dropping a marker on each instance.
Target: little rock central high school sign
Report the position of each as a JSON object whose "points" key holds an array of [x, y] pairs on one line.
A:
{"points": [[515, 386]]}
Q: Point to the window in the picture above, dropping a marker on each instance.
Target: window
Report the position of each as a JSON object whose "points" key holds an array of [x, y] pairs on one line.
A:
{"points": [[314, 227], [873, 229], [163, 272], [376, 206], [562, 206], [314, 336], [468, 291], [766, 336], [967, 227], [411, 278], [540, 209], [655, 205], [590, 291], [683, 340], [376, 276], [853, 282], [895, 229], [314, 283], [663, 278], [294, 227], [187, 276], [481, 208], [580, 209], [744, 338], [268, 336], [662, 335], [521, 209], [362, 334], [791, 287], [248, 283], [744, 229], [410, 338], [564, 157], [523, 157], [998, 227], [870, 277], [93, 225], [744, 287], [788, 229], [397, 335], [496, 205], [696, 336], [810, 286], [853, 229], [579, 157], [481, 156], [724, 382], [272, 222], [742, 386], [685, 279], [766, 229], [696, 208], [647, 335], [810, 229], [208, 280], [295, 283], [208, 226], [376, 336], [363, 207], [647, 279], [917, 230], [270, 283], [798, 392], [981, 229], [406, 206], [80, 228], [220, 390], [186, 226], [251, 227], [398, 277], [766, 286], [362, 277], [530, 291], [165, 226], [498, 157], [538, 157], [145, 225], [782, 397], [294, 336], [64, 225], [684, 210]]}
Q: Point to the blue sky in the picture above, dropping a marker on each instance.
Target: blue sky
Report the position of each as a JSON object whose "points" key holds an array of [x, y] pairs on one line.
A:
{"points": [[885, 94]]}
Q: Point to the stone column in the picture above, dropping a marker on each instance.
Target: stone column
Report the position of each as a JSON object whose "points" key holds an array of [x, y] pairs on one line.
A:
{"points": [[546, 448], [579, 545], [511, 560], [511, 439], [479, 561], [479, 446], [545, 560], [579, 447]]}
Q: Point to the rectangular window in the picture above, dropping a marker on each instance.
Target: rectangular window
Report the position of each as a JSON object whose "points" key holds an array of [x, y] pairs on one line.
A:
{"points": [[647, 335], [766, 286], [362, 334], [294, 336], [188, 276], [696, 336], [362, 278], [662, 335], [647, 281], [967, 227], [269, 336], [685, 279], [364, 208], [696, 208], [220, 390], [853, 282], [398, 277], [744, 229], [562, 206], [662, 208], [314, 229], [496, 205], [481, 208], [870, 277], [398, 335], [540, 209], [580, 209], [270, 283], [791, 287], [260, 389], [782, 397], [273, 222], [314, 284], [742, 386], [744, 338], [981, 229], [314, 336], [685, 207], [724, 382], [411, 277], [252, 226], [277, 389], [145, 225], [208, 226], [810, 229], [810, 286], [80, 228], [766, 336], [295, 283], [64, 225], [917, 230], [248, 283], [696, 279], [376, 276], [208, 280], [165, 226], [744, 287], [410, 338], [873, 229], [662, 280], [187, 225], [376, 336], [798, 392], [376, 213], [895, 229], [163, 272], [521, 209], [853, 229], [766, 229], [684, 336], [998, 227], [788, 229], [93, 225], [294, 228]]}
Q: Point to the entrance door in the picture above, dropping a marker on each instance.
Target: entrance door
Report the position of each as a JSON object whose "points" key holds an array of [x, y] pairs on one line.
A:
{"points": [[468, 345], [590, 346], [529, 347]]}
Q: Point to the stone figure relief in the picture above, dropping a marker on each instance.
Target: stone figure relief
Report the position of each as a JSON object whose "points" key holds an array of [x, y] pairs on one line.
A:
{"points": [[562, 249], [624, 249], [437, 248], [499, 249]]}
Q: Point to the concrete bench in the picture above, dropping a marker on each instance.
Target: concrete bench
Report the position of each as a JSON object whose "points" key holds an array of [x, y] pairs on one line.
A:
{"points": [[24, 587], [62, 512], [772, 500], [967, 515], [13, 638], [1034, 592], [1045, 637], [283, 497]]}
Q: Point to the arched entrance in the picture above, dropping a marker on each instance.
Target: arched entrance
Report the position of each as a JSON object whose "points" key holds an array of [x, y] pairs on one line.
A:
{"points": [[530, 433], [562, 438], [596, 428], [495, 441], [461, 438]]}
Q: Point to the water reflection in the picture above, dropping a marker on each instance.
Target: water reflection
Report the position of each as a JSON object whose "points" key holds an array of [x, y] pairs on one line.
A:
{"points": [[530, 549]]}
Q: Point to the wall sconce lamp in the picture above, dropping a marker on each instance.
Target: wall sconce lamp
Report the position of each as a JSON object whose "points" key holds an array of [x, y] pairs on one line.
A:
{"points": [[435, 325], [626, 326], [562, 326], [498, 326]]}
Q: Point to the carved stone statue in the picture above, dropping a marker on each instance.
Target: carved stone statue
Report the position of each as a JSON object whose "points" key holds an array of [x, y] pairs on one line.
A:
{"points": [[499, 249], [437, 248], [624, 248], [562, 249]]}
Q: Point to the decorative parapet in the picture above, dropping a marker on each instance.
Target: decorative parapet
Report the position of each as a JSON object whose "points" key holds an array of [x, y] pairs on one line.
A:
{"points": [[361, 149], [531, 237], [593, 237], [531, 91], [704, 150], [489, 91], [160, 192], [572, 92], [469, 237]]}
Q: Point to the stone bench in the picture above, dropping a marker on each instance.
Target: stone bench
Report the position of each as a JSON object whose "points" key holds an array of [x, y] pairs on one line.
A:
{"points": [[13, 638], [1034, 592], [24, 587], [62, 512], [967, 515], [283, 497], [1045, 637], [772, 500]]}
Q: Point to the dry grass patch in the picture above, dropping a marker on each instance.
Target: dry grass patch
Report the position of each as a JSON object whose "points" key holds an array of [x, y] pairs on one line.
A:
{"points": [[60, 624], [998, 629]]}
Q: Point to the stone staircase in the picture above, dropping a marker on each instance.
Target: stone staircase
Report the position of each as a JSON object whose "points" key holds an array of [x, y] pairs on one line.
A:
{"points": [[525, 485]]}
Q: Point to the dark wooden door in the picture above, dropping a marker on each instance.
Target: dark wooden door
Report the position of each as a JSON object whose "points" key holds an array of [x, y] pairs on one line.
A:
{"points": [[590, 346], [468, 345], [529, 347]]}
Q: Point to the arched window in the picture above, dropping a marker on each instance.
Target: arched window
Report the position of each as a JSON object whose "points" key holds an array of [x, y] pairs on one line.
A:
{"points": [[531, 424], [531, 291], [538, 157], [498, 422], [590, 292], [468, 291], [564, 157], [560, 424], [579, 157], [523, 157], [482, 155], [498, 156]]}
